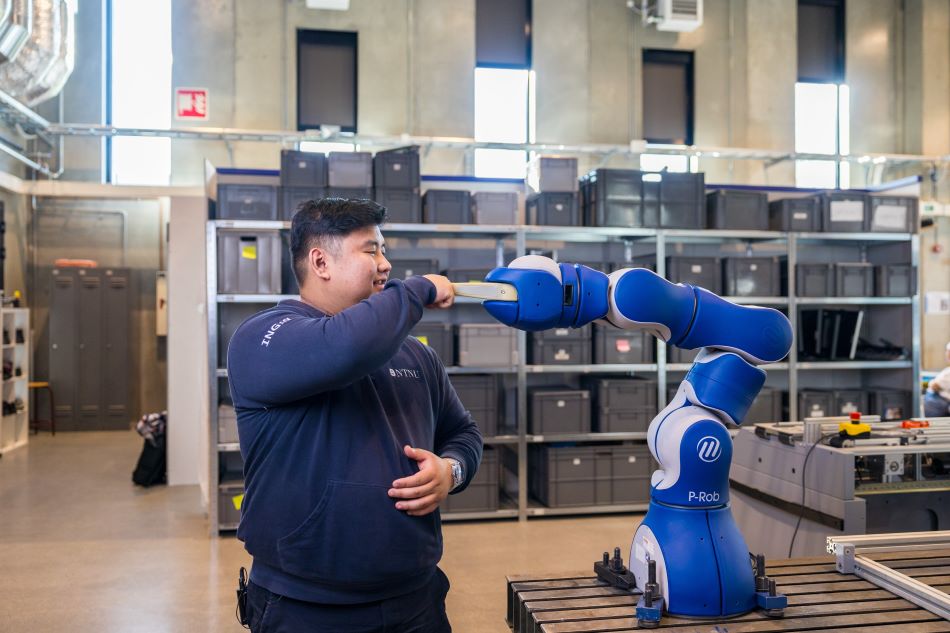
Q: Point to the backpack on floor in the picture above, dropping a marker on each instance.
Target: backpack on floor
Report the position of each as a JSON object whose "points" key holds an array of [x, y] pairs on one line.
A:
{"points": [[150, 469]]}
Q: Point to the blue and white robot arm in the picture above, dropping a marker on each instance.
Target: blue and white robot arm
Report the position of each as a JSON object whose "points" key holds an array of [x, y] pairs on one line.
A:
{"points": [[701, 558]]}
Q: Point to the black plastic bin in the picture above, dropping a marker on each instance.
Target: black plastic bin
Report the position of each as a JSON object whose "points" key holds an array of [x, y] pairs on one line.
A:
{"points": [[751, 277], [854, 279], [292, 197], [303, 169], [447, 206], [704, 272], [622, 347], [843, 211], [397, 168], [555, 410], [553, 208], [403, 206], [895, 280], [480, 396], [481, 494], [440, 337], [795, 214], [737, 210]]}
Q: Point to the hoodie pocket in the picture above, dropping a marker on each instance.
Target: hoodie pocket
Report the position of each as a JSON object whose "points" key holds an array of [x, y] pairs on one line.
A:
{"points": [[355, 536]]}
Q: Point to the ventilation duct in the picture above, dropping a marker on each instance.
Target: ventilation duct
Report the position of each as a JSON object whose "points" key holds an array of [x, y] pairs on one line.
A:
{"points": [[44, 63]]}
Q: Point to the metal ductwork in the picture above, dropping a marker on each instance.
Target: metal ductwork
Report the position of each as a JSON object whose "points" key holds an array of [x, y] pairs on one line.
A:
{"points": [[44, 62]]}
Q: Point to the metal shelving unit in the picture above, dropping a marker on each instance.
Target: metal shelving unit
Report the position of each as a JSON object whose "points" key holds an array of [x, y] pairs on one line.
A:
{"points": [[15, 427], [659, 239]]}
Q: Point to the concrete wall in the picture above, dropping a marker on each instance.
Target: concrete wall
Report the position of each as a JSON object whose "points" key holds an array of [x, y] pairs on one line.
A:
{"points": [[416, 60]]}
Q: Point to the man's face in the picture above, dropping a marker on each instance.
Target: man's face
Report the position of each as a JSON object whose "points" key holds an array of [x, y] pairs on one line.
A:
{"points": [[360, 267]]}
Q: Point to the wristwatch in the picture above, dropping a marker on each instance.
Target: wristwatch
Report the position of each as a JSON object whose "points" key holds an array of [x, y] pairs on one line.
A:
{"points": [[457, 476]]}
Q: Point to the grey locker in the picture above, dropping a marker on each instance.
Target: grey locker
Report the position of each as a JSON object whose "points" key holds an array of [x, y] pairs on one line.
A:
{"points": [[89, 394], [89, 348], [63, 345], [115, 357]]}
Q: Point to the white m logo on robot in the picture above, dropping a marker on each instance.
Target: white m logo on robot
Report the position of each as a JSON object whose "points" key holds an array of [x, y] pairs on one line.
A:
{"points": [[709, 449]]}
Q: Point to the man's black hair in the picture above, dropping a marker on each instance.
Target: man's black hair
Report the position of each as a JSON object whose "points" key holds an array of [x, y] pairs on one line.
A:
{"points": [[323, 223]]}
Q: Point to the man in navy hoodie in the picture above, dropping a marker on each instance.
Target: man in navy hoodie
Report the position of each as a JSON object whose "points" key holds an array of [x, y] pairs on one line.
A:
{"points": [[351, 435]]}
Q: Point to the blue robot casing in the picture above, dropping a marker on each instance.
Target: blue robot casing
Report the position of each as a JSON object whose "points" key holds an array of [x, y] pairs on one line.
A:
{"points": [[702, 560]]}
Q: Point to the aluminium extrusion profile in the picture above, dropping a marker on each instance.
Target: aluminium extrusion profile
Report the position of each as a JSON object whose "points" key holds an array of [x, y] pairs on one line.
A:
{"points": [[848, 560]]}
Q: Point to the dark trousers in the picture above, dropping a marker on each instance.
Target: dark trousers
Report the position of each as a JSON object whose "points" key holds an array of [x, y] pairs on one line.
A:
{"points": [[935, 406], [421, 611]]}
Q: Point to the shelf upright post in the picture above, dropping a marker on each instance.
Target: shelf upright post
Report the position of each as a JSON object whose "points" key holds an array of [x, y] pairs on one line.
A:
{"points": [[915, 317], [660, 344], [791, 263], [211, 310], [522, 388]]}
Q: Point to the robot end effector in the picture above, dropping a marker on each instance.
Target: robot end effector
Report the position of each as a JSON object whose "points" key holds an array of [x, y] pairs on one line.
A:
{"points": [[571, 295]]}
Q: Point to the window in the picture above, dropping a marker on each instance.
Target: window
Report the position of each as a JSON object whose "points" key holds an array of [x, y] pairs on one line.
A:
{"points": [[668, 97], [502, 99], [326, 148], [326, 79], [821, 41], [504, 86], [140, 90], [822, 100]]}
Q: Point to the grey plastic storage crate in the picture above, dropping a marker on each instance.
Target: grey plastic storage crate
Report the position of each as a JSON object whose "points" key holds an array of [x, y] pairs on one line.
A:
{"points": [[843, 211], [854, 279], [613, 197], [677, 355], [350, 170], [350, 193], [440, 337], [562, 476], [561, 346], [397, 168], [847, 401], [485, 345], [482, 492], [229, 503], [240, 201], [677, 201], [767, 407], [890, 404], [815, 403], [895, 280], [813, 280], [553, 174], [292, 197], [446, 206], [622, 474], [230, 316], [737, 210], [892, 214], [795, 214], [464, 275], [752, 276], [697, 271], [227, 424], [553, 411], [495, 207], [406, 268], [303, 169], [624, 347], [552, 208], [288, 280], [622, 405], [249, 262], [403, 206], [479, 394]]}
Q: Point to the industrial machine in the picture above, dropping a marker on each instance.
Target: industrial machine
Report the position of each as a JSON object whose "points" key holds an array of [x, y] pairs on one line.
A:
{"points": [[688, 556], [798, 483]]}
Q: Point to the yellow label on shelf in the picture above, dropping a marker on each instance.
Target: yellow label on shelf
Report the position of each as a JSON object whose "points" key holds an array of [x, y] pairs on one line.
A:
{"points": [[237, 500], [423, 339], [249, 252]]}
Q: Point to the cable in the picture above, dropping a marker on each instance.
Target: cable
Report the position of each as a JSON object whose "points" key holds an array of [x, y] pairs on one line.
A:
{"points": [[801, 512]]}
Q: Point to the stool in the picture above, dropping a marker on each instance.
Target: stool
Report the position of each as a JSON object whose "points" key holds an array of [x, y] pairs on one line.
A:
{"points": [[34, 424]]}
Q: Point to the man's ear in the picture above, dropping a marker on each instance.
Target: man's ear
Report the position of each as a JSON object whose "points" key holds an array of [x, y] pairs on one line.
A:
{"points": [[318, 260]]}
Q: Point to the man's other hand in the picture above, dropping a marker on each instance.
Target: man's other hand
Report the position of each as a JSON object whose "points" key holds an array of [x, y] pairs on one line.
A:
{"points": [[444, 291], [422, 493]]}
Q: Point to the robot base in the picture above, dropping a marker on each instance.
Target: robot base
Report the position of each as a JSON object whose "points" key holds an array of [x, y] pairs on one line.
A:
{"points": [[702, 561]]}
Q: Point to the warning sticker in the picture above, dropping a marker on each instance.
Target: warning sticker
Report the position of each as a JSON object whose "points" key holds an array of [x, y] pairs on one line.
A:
{"points": [[249, 252], [237, 500], [423, 339]]}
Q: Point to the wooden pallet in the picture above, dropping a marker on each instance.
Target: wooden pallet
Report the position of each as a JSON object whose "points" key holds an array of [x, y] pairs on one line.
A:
{"points": [[819, 599]]}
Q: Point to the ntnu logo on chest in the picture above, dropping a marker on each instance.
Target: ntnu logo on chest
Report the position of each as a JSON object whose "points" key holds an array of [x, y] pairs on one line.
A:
{"points": [[265, 342], [404, 373]]}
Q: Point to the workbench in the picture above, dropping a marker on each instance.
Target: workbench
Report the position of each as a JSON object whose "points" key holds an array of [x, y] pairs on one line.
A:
{"points": [[819, 598]]}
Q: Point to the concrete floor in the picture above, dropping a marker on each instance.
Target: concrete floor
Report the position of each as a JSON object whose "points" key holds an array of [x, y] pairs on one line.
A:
{"points": [[82, 549]]}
